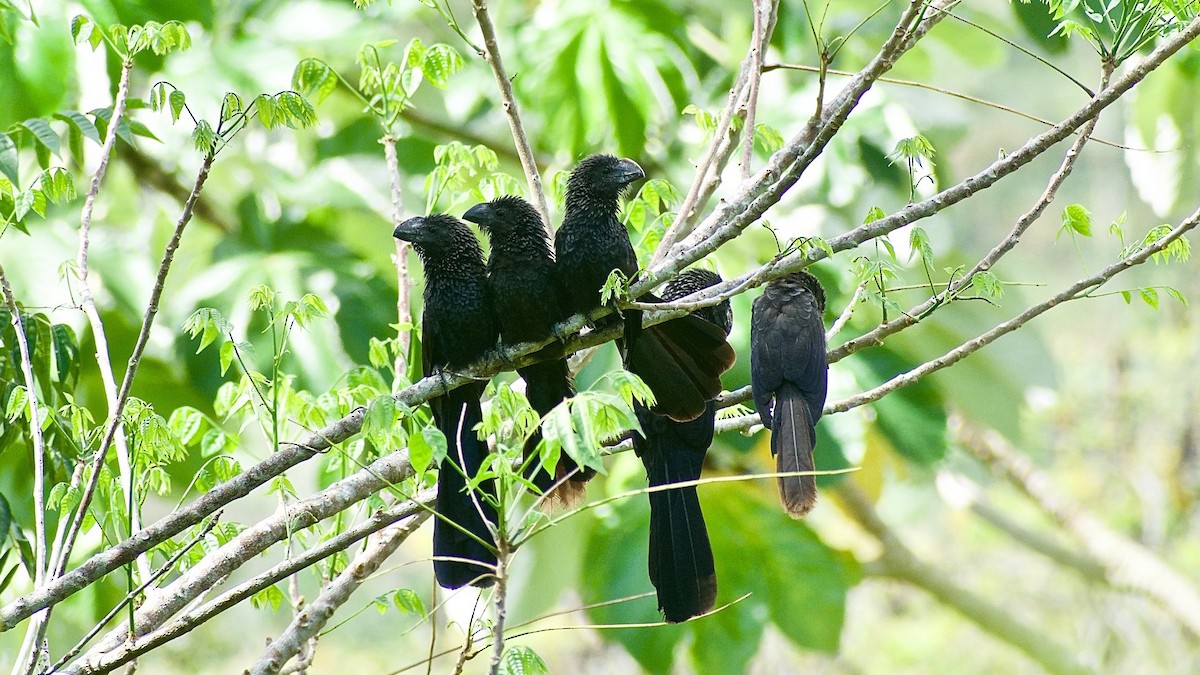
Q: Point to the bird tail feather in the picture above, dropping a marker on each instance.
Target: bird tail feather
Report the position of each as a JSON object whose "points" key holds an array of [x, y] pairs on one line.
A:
{"points": [[454, 548], [792, 444], [681, 558]]}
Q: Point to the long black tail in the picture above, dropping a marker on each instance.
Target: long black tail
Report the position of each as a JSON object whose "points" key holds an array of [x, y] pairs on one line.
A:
{"points": [[681, 361], [681, 558], [792, 431], [546, 385], [456, 415]]}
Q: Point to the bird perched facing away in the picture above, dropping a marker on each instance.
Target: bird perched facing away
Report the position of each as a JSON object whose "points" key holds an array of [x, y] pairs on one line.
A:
{"points": [[458, 325], [520, 272], [681, 559], [680, 360], [789, 376]]}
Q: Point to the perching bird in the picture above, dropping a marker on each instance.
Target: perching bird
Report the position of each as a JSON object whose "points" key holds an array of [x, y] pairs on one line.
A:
{"points": [[681, 558], [680, 360], [789, 376], [458, 326], [520, 271]]}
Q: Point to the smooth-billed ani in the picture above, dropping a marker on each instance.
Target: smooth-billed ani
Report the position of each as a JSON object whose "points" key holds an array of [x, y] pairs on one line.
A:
{"points": [[458, 326], [681, 559], [520, 272], [789, 376], [680, 360]]}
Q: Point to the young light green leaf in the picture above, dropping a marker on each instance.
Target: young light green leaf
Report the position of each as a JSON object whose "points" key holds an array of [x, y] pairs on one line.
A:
{"points": [[1149, 296], [1174, 293], [522, 660], [986, 284], [919, 242], [1078, 219]]}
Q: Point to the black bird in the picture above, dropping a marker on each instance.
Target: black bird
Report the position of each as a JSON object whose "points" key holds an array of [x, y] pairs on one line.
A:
{"points": [[681, 558], [520, 271], [458, 326], [680, 360], [788, 364]]}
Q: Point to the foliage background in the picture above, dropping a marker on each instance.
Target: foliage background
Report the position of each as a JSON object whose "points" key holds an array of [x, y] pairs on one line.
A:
{"points": [[1097, 393]]}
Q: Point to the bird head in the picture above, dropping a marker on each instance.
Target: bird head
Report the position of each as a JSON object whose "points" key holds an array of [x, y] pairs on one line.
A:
{"points": [[504, 215], [604, 176], [437, 235]]}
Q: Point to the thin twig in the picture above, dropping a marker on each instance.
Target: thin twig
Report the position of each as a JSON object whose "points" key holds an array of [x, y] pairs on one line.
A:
{"points": [[114, 430], [35, 433], [948, 92], [173, 598], [912, 316], [758, 49], [27, 657], [1074, 292], [847, 312], [491, 53]]}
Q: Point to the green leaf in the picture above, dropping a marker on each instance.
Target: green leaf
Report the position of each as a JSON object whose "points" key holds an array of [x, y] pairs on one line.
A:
{"points": [[767, 138], [440, 63], [9, 159], [705, 120], [203, 137], [522, 660], [1076, 218], [1149, 296], [270, 596], [314, 79], [873, 214], [1174, 293], [919, 242], [986, 284], [80, 123], [406, 600], [43, 134]]}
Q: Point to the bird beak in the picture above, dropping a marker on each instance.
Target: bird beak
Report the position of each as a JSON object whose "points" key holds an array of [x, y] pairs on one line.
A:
{"points": [[629, 171], [411, 230], [478, 213]]}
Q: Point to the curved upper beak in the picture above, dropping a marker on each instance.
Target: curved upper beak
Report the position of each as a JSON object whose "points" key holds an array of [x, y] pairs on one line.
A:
{"points": [[629, 171], [479, 213], [411, 230]]}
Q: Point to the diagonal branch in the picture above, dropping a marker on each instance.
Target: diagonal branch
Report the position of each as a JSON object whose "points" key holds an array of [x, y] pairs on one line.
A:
{"points": [[309, 622], [898, 562], [104, 663], [491, 52], [1125, 563]]}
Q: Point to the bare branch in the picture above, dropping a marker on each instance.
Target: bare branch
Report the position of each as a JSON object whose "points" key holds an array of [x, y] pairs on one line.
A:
{"points": [[27, 657], [911, 317], [491, 52], [309, 622], [190, 620], [400, 260], [289, 518], [764, 20], [1077, 290], [114, 430]]}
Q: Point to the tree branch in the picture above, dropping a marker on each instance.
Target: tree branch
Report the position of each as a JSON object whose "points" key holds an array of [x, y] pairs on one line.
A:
{"points": [[129, 651], [491, 52], [309, 622]]}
